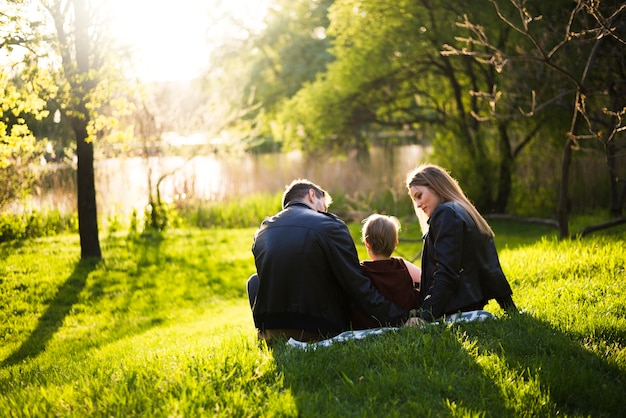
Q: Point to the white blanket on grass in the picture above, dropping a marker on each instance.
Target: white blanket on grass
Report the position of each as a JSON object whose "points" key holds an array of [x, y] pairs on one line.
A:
{"points": [[471, 316]]}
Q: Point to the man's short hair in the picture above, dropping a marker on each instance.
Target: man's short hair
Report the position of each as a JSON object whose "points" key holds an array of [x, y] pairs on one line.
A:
{"points": [[299, 188]]}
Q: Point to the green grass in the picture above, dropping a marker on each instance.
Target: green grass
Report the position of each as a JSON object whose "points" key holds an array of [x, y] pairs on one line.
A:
{"points": [[161, 327]]}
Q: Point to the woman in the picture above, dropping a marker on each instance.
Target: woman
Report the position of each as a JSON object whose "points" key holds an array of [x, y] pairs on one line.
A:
{"points": [[460, 267]]}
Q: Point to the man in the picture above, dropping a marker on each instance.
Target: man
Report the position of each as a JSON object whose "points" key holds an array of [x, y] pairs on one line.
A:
{"points": [[308, 272]]}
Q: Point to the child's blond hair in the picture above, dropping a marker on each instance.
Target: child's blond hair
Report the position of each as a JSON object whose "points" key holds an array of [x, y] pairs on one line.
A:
{"points": [[381, 233]]}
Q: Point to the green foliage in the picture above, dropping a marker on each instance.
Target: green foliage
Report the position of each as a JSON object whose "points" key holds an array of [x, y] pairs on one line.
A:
{"points": [[423, 67], [20, 151], [267, 68], [536, 182], [159, 216], [295, 48], [451, 151], [354, 207], [35, 224], [379, 75], [389, 76], [162, 327], [244, 212]]}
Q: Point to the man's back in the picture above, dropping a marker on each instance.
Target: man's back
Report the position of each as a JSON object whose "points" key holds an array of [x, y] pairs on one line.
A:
{"points": [[293, 253]]}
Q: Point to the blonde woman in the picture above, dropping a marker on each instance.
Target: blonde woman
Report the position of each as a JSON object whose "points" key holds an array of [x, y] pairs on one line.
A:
{"points": [[461, 271]]}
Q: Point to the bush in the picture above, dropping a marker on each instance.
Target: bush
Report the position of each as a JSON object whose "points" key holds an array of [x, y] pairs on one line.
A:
{"points": [[235, 213], [36, 224]]}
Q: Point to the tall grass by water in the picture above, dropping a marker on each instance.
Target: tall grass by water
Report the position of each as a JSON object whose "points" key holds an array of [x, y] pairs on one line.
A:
{"points": [[239, 212], [162, 327]]}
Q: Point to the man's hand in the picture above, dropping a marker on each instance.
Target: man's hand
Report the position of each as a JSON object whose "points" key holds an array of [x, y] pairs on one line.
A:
{"points": [[414, 320]]}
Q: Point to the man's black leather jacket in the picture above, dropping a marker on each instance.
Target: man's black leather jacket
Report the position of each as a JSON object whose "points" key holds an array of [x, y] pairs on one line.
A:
{"points": [[460, 266], [309, 274]]}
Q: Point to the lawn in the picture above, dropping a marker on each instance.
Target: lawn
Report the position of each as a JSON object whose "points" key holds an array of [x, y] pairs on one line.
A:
{"points": [[161, 327]]}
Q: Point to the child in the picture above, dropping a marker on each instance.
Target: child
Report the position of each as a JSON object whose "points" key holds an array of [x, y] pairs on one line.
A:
{"points": [[397, 279]]}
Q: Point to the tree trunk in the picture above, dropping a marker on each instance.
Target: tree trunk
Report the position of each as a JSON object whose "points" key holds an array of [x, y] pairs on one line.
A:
{"points": [[86, 184], [617, 93], [505, 171], [562, 211], [616, 204], [86, 191]]}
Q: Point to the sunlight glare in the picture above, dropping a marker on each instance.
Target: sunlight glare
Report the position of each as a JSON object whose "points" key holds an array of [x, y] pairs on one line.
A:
{"points": [[172, 40]]}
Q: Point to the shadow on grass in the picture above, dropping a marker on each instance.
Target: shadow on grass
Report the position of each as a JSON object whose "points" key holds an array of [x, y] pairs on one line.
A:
{"points": [[124, 291], [512, 235], [52, 319], [119, 288], [579, 381], [9, 247], [431, 373], [408, 373]]}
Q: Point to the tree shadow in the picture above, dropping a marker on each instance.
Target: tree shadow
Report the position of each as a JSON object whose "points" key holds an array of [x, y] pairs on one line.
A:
{"points": [[52, 319], [10, 247], [7, 248], [105, 286], [573, 379], [397, 373], [579, 381], [118, 285]]}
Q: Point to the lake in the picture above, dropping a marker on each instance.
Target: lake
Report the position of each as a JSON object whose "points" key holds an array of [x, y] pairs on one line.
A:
{"points": [[122, 184]]}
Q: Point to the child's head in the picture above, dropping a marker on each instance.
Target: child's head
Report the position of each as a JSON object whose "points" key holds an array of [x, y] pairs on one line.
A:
{"points": [[380, 234]]}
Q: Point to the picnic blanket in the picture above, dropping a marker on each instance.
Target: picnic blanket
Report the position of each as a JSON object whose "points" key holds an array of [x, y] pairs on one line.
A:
{"points": [[471, 316]]}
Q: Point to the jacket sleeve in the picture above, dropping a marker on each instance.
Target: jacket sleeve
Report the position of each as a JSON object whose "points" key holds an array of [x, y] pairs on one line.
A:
{"points": [[493, 281], [446, 235], [344, 261]]}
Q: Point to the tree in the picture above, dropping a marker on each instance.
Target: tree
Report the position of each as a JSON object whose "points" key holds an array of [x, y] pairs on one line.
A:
{"points": [[583, 49], [77, 46], [19, 149], [267, 67], [80, 53], [389, 75]]}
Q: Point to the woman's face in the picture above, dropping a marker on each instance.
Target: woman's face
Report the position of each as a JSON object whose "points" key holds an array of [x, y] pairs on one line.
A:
{"points": [[424, 198]]}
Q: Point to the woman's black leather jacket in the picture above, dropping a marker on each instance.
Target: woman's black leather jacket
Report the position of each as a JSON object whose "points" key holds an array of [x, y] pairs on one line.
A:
{"points": [[460, 266]]}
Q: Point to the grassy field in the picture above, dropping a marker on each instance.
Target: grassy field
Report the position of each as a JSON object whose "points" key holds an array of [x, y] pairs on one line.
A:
{"points": [[161, 328]]}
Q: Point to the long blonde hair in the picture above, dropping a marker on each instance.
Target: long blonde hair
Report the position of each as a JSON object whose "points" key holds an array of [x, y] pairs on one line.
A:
{"points": [[447, 189]]}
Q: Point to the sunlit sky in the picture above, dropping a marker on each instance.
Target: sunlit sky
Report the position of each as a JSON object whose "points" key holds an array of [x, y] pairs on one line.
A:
{"points": [[171, 40]]}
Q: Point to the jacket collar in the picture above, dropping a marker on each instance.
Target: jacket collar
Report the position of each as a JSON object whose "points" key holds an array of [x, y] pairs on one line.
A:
{"points": [[298, 203]]}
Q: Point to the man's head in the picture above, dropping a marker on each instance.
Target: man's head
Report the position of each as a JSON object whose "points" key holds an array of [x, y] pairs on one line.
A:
{"points": [[306, 191]]}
